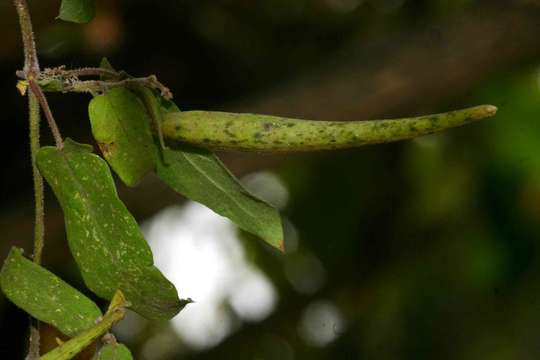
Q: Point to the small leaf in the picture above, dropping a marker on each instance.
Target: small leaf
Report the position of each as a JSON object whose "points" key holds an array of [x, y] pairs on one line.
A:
{"points": [[105, 64], [104, 238], [78, 11], [199, 175], [114, 352], [123, 131], [45, 296]]}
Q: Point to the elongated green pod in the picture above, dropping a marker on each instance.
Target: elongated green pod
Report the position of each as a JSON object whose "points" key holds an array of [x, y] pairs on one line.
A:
{"points": [[122, 129], [251, 132], [103, 236], [45, 296]]}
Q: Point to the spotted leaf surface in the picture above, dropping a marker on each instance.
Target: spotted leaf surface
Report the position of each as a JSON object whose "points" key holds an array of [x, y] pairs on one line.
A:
{"points": [[45, 296], [122, 129], [104, 238], [114, 352]]}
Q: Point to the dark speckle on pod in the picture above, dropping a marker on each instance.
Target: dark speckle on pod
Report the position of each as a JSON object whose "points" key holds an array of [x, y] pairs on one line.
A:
{"points": [[252, 132]]}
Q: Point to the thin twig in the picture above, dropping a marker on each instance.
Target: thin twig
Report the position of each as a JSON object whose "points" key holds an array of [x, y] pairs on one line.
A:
{"points": [[33, 349], [86, 71], [93, 86], [36, 90], [67, 80], [39, 228], [31, 64]]}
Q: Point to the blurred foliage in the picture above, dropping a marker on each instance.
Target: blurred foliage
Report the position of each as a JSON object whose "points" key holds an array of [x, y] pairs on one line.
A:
{"points": [[428, 248]]}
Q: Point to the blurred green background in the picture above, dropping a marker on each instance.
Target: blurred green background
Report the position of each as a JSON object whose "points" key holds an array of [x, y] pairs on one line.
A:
{"points": [[414, 250]]}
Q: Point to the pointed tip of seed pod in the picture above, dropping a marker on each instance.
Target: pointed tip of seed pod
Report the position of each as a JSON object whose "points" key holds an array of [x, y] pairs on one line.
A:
{"points": [[490, 110], [482, 112], [486, 111]]}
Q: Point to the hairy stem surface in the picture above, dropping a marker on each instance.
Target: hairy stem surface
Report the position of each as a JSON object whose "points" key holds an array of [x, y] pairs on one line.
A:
{"points": [[39, 227], [31, 70]]}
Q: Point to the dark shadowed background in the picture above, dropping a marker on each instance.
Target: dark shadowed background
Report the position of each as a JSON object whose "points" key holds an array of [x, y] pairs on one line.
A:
{"points": [[415, 250]]}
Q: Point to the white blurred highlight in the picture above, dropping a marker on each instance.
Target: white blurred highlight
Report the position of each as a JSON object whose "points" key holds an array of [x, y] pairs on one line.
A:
{"points": [[199, 252], [321, 323]]}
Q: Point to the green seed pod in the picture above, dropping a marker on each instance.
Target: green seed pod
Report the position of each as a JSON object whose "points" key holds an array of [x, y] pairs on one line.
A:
{"points": [[251, 132]]}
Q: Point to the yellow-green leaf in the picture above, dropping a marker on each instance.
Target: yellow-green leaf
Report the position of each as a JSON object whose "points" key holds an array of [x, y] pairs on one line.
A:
{"points": [[122, 129], [114, 352], [45, 296], [78, 11], [103, 236]]}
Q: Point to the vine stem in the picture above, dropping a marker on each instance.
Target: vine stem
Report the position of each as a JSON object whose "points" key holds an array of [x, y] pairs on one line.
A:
{"points": [[39, 226], [31, 72], [31, 63]]}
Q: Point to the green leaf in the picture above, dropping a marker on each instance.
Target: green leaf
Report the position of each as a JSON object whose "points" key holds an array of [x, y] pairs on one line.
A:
{"points": [[105, 64], [78, 11], [122, 128], [45, 296], [114, 352], [104, 238], [199, 175]]}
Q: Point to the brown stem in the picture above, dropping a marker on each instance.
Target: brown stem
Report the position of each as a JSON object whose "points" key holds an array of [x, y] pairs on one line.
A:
{"points": [[86, 71], [36, 90], [100, 85], [31, 69], [31, 64]]}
